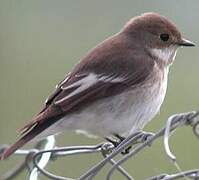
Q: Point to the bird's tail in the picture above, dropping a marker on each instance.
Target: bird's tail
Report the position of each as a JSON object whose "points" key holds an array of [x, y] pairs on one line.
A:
{"points": [[34, 128], [23, 140]]}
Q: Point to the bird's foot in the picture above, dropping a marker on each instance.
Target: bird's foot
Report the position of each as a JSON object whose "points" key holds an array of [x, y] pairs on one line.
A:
{"points": [[118, 141], [114, 142], [145, 136]]}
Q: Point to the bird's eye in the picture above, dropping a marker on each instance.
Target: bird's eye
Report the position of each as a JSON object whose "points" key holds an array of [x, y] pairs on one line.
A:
{"points": [[164, 37]]}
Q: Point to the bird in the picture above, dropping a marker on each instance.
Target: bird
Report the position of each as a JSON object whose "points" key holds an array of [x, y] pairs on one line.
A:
{"points": [[116, 89]]}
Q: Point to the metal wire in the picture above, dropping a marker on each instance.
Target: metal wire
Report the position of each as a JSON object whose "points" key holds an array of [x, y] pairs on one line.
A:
{"points": [[44, 158], [192, 174], [37, 159]]}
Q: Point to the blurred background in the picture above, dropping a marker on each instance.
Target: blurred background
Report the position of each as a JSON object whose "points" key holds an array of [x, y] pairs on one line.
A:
{"points": [[41, 40]]}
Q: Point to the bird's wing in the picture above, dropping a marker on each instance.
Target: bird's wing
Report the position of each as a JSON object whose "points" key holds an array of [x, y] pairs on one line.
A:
{"points": [[79, 91]]}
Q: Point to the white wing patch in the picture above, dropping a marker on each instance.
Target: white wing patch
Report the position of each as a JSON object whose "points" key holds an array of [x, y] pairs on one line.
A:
{"points": [[87, 82], [110, 79]]}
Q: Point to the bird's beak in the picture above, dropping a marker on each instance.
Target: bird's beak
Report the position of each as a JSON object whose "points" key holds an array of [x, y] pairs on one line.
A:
{"points": [[185, 42]]}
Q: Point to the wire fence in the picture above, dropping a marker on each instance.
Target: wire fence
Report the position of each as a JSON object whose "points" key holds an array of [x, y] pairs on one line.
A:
{"points": [[45, 151]]}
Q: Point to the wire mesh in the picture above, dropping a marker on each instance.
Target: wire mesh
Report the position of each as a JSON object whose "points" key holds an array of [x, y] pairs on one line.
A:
{"points": [[45, 151]]}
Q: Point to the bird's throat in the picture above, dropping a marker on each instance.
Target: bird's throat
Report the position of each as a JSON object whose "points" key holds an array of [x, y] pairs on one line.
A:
{"points": [[167, 55]]}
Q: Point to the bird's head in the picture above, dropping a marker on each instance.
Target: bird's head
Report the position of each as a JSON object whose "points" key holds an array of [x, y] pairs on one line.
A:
{"points": [[156, 34]]}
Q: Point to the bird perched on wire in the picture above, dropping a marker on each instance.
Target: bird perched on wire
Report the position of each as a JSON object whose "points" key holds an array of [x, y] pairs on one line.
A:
{"points": [[116, 89]]}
